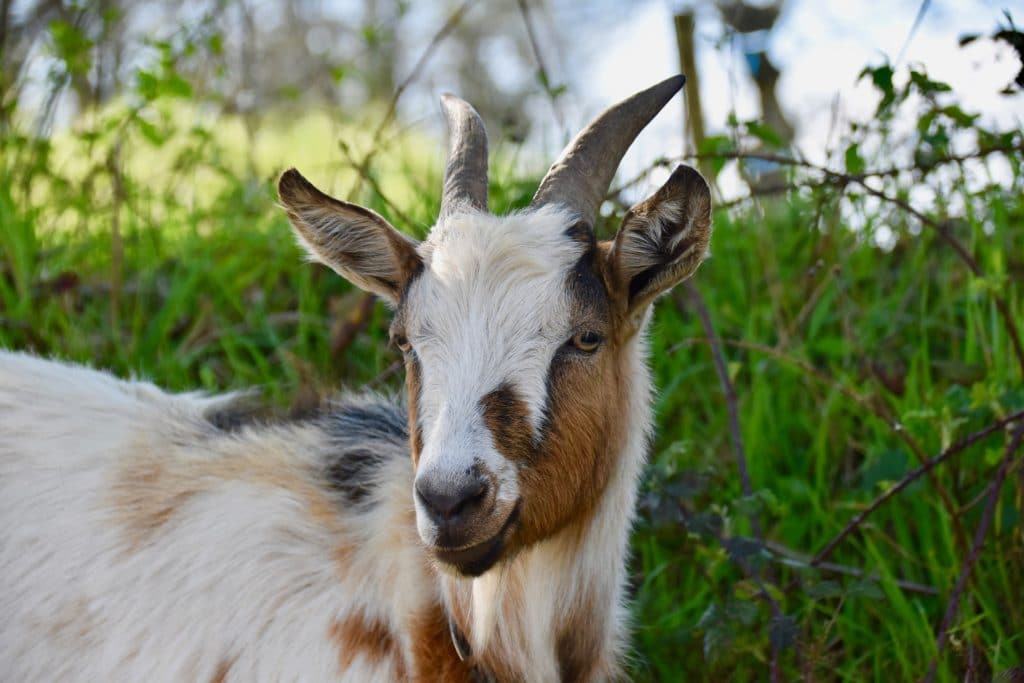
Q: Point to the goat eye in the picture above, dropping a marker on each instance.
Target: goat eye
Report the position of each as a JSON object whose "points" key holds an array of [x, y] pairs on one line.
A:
{"points": [[587, 341], [402, 342]]}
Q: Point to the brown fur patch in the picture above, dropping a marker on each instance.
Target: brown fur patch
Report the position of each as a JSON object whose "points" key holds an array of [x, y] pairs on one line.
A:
{"points": [[508, 419], [147, 495], [220, 674], [152, 487], [73, 625], [580, 641], [434, 657], [356, 634]]}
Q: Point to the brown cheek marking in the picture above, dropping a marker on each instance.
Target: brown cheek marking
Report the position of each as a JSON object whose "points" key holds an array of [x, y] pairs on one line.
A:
{"points": [[564, 475], [357, 635], [576, 455], [413, 387], [507, 417], [433, 655]]}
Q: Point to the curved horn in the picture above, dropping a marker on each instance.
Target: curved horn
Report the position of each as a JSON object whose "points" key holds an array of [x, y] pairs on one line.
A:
{"points": [[465, 175], [581, 176]]}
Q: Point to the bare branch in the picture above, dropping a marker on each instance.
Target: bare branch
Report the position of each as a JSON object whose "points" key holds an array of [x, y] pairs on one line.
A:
{"points": [[735, 436], [792, 558], [972, 557], [542, 71], [739, 452], [879, 411], [910, 478], [417, 69]]}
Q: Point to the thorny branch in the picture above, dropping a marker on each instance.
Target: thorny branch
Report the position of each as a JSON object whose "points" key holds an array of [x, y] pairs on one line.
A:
{"points": [[790, 557], [890, 172], [736, 438], [878, 410], [909, 478], [542, 71], [731, 403]]}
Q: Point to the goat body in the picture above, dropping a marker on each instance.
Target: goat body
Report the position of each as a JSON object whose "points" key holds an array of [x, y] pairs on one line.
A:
{"points": [[150, 536]]}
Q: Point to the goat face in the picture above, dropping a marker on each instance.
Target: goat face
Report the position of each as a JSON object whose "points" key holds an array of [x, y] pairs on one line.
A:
{"points": [[517, 334]]}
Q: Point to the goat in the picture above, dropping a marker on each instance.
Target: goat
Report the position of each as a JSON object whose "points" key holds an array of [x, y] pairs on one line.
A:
{"points": [[479, 532]]}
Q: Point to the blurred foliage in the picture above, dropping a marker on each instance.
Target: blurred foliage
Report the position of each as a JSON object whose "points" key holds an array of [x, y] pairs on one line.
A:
{"points": [[144, 239]]}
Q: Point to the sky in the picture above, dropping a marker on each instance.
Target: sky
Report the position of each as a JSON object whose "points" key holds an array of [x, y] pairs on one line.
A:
{"points": [[820, 47]]}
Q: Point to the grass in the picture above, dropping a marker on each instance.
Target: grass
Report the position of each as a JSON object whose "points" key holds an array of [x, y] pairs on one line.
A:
{"points": [[202, 286]]}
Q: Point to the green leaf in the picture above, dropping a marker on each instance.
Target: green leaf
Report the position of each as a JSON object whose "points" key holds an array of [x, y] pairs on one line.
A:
{"points": [[823, 590], [926, 85], [733, 368], [959, 116], [881, 77], [71, 46], [782, 632], [764, 133], [705, 524], [854, 161], [717, 148], [744, 550], [865, 588], [370, 34], [176, 86], [147, 85], [756, 503], [716, 641], [216, 44], [151, 132]]}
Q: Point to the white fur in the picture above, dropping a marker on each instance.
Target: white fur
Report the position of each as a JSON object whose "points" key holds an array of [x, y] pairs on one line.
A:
{"points": [[241, 574]]}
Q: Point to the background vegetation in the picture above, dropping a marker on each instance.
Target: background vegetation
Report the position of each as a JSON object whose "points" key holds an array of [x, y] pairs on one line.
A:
{"points": [[835, 489]]}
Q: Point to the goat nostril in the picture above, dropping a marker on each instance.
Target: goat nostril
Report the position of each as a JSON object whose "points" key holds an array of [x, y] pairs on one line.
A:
{"points": [[448, 503], [473, 495]]}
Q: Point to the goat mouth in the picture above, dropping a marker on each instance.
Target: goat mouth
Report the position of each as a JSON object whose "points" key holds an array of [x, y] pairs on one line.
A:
{"points": [[478, 558]]}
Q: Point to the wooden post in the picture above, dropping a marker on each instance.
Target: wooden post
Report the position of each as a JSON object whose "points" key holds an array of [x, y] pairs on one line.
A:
{"points": [[693, 130]]}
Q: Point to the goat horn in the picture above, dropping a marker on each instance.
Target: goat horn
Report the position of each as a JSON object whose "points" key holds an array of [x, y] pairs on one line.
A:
{"points": [[465, 175], [582, 174]]}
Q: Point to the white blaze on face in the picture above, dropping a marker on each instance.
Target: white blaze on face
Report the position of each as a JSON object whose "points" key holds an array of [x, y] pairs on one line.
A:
{"points": [[490, 308]]}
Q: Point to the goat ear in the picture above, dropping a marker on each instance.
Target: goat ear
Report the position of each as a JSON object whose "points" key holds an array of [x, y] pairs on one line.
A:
{"points": [[662, 239], [357, 243]]}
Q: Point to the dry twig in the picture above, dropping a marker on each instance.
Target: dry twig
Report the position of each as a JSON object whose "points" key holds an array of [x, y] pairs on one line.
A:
{"points": [[979, 540], [736, 438], [414, 73]]}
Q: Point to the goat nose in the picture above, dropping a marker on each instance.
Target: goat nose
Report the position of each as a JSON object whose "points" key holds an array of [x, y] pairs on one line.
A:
{"points": [[448, 501]]}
